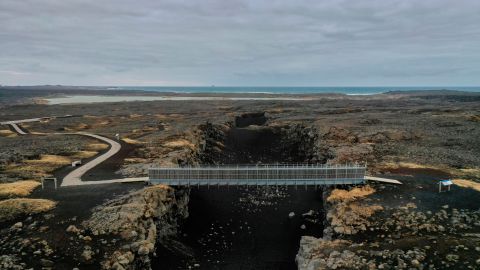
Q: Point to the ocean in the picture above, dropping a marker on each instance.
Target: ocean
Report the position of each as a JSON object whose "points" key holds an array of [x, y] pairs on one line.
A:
{"points": [[294, 90]]}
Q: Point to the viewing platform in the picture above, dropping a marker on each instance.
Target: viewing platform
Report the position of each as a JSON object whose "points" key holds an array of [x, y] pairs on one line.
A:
{"points": [[259, 175]]}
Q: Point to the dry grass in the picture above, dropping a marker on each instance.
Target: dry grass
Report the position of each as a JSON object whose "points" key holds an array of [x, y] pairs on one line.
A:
{"points": [[180, 143], [460, 173], [13, 208], [147, 128], [474, 118], [132, 141], [161, 116], [275, 110], [102, 123], [81, 126], [135, 160], [7, 133], [37, 168], [84, 154], [341, 195], [18, 189], [467, 184], [50, 159], [410, 165], [46, 165], [38, 133], [96, 147], [29, 170]]}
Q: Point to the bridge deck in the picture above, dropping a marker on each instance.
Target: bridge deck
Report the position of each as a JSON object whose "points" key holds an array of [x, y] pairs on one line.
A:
{"points": [[292, 175]]}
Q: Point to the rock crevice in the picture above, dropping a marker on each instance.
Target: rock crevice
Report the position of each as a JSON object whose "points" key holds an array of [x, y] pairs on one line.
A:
{"points": [[139, 220]]}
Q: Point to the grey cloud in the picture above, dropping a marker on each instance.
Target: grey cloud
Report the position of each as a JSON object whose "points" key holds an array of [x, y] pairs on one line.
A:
{"points": [[240, 42]]}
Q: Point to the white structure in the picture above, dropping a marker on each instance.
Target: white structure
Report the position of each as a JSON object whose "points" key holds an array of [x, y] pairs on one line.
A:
{"points": [[49, 178], [76, 163], [444, 183]]}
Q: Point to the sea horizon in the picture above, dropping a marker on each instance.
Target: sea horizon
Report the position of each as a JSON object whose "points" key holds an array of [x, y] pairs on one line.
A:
{"points": [[271, 90], [348, 90]]}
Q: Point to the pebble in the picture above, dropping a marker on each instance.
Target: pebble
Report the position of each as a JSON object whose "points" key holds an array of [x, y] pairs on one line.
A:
{"points": [[72, 229], [17, 225], [46, 263], [143, 250], [87, 238]]}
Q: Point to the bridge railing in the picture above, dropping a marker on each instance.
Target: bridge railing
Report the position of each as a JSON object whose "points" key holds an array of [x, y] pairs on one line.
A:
{"points": [[305, 174]]}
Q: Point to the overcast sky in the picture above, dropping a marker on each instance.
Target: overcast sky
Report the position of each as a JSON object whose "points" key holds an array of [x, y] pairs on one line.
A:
{"points": [[237, 42]]}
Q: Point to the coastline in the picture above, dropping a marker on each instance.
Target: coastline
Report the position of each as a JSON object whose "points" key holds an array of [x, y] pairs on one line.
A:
{"points": [[101, 97]]}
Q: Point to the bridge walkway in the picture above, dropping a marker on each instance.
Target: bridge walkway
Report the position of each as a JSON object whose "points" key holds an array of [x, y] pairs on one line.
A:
{"points": [[264, 175]]}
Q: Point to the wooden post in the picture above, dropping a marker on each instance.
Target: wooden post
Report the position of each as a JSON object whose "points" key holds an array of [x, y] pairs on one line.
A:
{"points": [[55, 180], [42, 182]]}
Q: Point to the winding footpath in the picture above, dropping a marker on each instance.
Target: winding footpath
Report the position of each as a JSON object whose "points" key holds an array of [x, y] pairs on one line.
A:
{"points": [[74, 178], [14, 124]]}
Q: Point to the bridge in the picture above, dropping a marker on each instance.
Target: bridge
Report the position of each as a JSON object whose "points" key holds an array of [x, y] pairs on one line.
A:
{"points": [[259, 175]]}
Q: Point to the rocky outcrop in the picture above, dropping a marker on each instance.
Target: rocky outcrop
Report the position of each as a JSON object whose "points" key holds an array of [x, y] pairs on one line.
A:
{"points": [[399, 238], [348, 213], [138, 220], [247, 119], [304, 143], [293, 143], [212, 142], [315, 254]]}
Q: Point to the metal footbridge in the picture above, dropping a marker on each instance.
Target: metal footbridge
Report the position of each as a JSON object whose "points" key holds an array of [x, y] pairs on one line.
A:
{"points": [[259, 175]]}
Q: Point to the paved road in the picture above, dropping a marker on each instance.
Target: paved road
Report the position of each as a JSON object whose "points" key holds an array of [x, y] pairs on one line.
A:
{"points": [[99, 182], [14, 124], [18, 129], [23, 121], [74, 178]]}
